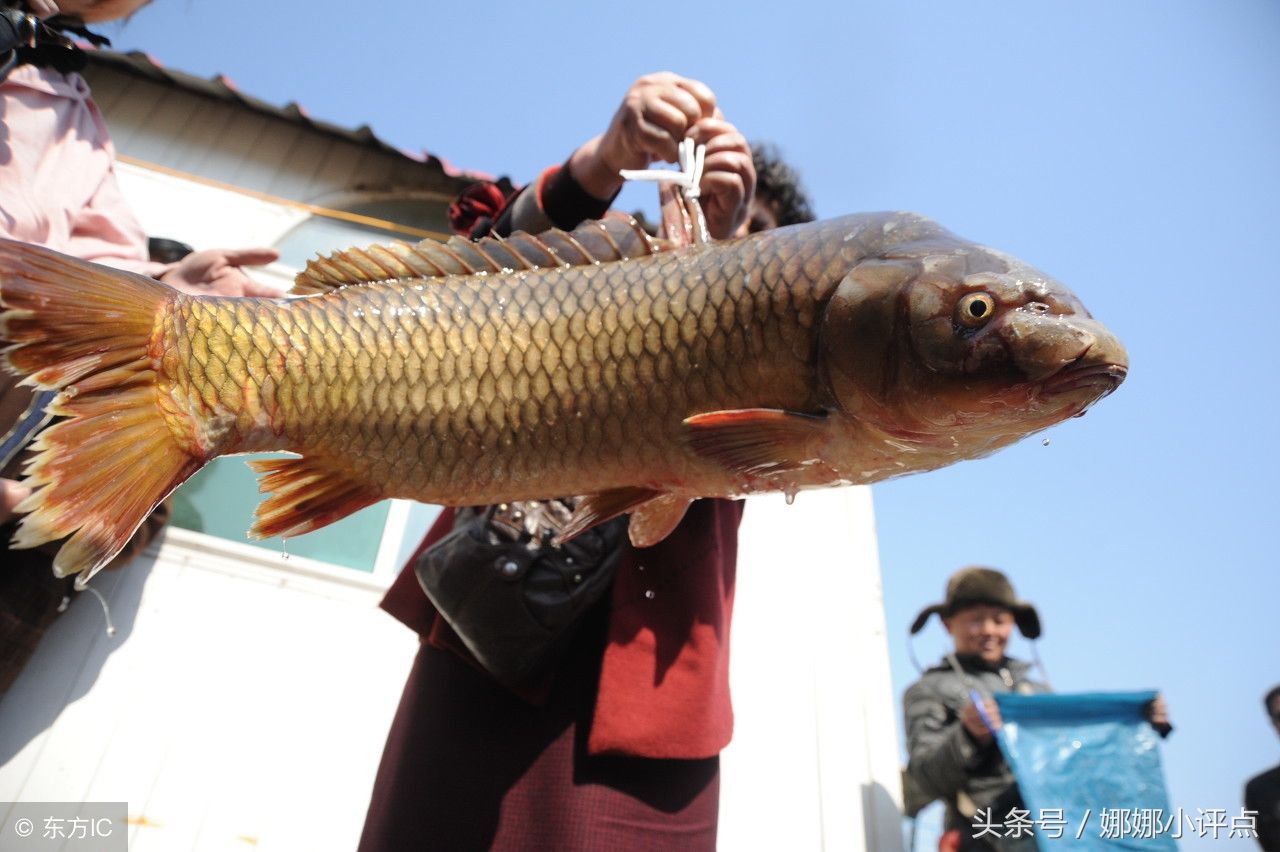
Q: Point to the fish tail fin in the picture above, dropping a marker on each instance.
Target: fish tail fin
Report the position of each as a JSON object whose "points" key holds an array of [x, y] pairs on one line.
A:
{"points": [[87, 332]]}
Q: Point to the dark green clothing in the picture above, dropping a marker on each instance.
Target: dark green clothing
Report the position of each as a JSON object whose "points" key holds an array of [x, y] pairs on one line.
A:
{"points": [[945, 762]]}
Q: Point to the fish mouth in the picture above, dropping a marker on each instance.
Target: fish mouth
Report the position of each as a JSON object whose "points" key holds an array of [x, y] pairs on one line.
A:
{"points": [[1100, 379]]}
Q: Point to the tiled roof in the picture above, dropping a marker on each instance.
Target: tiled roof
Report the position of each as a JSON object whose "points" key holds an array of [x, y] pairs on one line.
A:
{"points": [[222, 88]]}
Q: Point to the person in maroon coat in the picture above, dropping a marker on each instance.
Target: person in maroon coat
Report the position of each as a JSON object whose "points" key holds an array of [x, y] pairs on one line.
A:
{"points": [[613, 741]]}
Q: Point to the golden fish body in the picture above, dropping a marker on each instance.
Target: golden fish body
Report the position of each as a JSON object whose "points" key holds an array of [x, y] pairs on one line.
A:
{"points": [[838, 352], [487, 387]]}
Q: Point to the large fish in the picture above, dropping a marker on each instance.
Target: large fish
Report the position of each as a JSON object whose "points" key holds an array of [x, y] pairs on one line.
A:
{"points": [[599, 363]]}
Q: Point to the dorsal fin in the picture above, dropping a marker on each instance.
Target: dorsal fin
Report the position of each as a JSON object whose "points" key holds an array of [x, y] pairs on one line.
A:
{"points": [[602, 241]]}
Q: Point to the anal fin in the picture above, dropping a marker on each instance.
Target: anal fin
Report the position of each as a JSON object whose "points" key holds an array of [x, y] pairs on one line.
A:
{"points": [[597, 508], [653, 521], [306, 494]]}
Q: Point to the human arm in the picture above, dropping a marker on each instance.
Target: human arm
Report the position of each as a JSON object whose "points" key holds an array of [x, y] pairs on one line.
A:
{"points": [[105, 230], [656, 113], [941, 750], [728, 176], [218, 272], [981, 724]]}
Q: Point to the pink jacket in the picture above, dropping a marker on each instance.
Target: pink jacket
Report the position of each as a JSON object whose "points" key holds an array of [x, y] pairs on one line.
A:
{"points": [[57, 179]]}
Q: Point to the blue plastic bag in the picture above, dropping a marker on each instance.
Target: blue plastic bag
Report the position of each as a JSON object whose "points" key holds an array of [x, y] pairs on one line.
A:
{"points": [[1088, 767]]}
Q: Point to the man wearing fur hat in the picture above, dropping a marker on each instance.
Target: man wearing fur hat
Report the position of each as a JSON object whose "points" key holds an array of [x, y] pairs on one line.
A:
{"points": [[953, 754]]}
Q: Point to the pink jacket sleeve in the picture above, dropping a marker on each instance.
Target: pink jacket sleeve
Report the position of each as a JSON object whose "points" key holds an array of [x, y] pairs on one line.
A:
{"points": [[57, 179]]}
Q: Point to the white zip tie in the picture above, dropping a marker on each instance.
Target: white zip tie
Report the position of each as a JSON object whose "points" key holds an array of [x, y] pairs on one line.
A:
{"points": [[691, 159]]}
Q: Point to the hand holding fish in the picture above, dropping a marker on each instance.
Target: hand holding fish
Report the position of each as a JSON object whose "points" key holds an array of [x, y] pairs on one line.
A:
{"points": [[217, 272], [656, 113], [728, 175], [11, 494]]}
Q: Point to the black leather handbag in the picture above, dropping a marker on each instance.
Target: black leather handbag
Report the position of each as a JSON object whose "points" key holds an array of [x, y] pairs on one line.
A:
{"points": [[512, 596]]}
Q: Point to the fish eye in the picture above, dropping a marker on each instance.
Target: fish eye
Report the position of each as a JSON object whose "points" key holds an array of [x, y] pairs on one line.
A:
{"points": [[975, 309]]}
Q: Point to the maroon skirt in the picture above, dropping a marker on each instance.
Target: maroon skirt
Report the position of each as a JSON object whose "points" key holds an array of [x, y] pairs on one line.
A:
{"points": [[469, 766]]}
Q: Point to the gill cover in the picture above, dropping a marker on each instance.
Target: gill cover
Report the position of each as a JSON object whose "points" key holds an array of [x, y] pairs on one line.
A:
{"points": [[863, 342]]}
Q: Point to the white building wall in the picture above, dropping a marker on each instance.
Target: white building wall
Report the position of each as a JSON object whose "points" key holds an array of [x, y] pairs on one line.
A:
{"points": [[200, 215], [240, 705], [814, 759]]}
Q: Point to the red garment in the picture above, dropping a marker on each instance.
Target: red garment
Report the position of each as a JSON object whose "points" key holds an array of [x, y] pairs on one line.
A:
{"points": [[664, 680], [482, 200], [470, 766]]}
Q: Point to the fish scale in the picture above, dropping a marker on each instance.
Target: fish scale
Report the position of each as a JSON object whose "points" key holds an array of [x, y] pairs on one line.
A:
{"points": [[340, 395]]}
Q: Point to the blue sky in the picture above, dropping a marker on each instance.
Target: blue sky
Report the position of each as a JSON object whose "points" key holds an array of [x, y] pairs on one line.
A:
{"points": [[1131, 149]]}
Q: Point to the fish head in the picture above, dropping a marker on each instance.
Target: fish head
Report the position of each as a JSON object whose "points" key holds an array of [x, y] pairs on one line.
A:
{"points": [[946, 343]]}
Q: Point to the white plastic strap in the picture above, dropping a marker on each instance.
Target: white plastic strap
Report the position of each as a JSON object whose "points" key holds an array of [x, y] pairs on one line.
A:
{"points": [[691, 160]]}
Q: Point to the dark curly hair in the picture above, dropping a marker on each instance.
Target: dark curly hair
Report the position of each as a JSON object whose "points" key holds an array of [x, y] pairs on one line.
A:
{"points": [[780, 184], [1271, 696]]}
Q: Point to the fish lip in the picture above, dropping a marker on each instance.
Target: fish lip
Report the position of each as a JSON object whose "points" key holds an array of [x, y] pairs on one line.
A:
{"points": [[1102, 378]]}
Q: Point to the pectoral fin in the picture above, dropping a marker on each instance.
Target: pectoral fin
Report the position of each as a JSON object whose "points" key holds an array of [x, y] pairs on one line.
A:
{"points": [[757, 441], [653, 521], [598, 508]]}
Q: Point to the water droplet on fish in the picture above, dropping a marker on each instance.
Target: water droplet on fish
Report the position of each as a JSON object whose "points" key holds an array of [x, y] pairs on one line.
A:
{"points": [[1045, 442], [790, 494], [284, 548], [649, 595]]}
